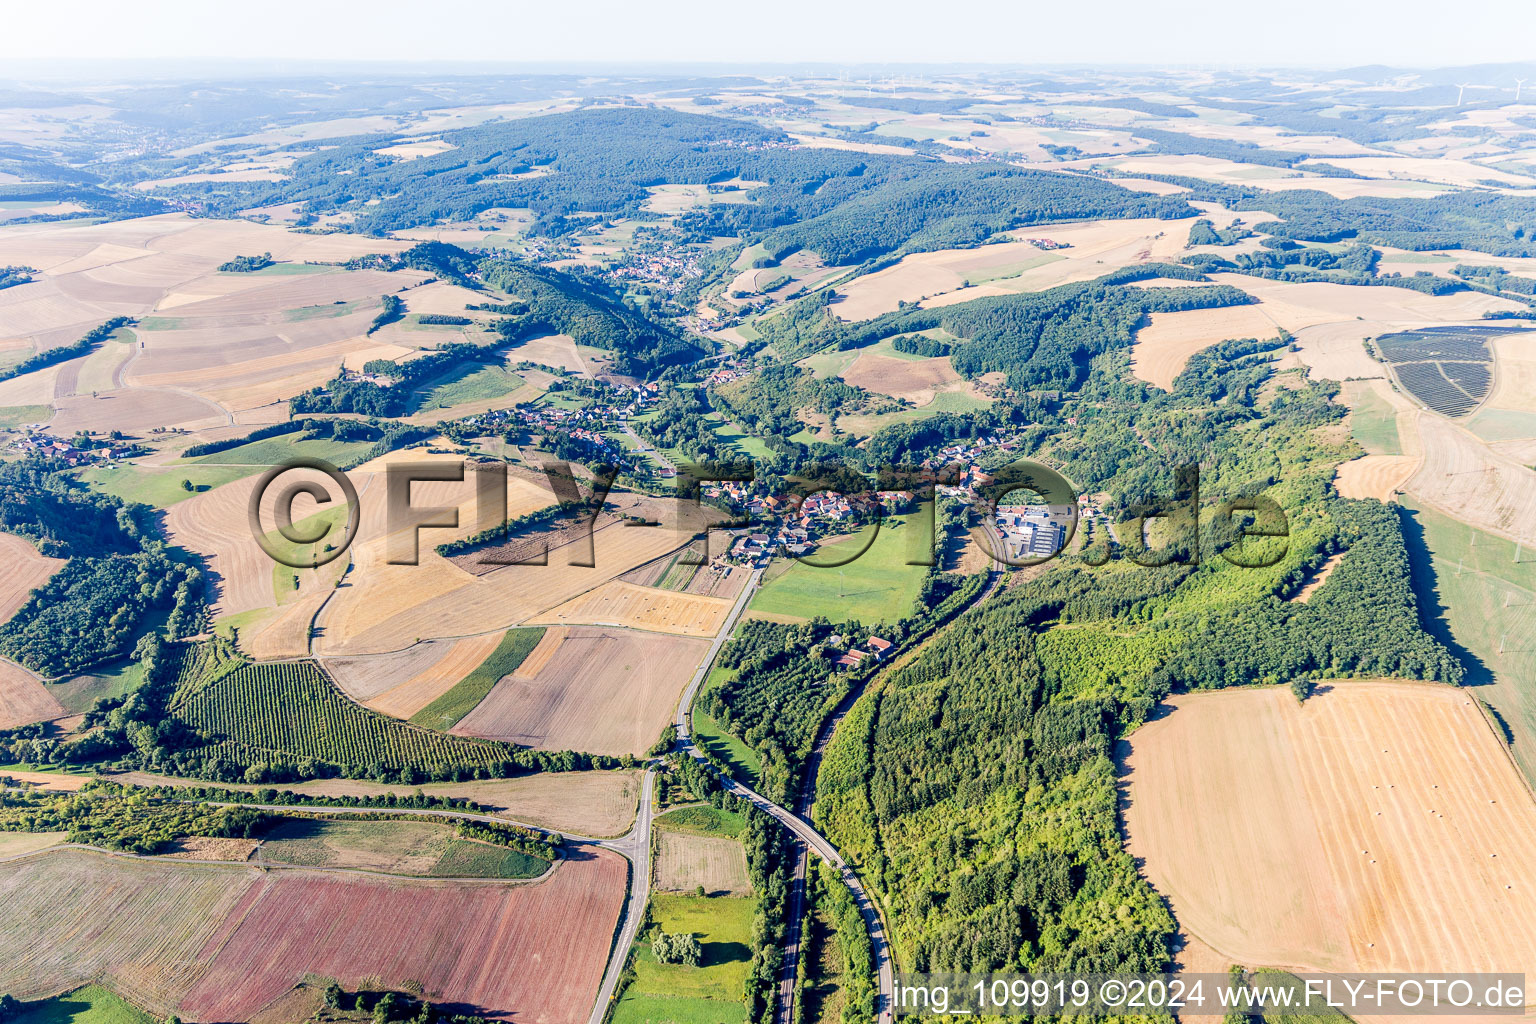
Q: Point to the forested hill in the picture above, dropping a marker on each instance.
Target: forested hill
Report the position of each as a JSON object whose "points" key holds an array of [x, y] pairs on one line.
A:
{"points": [[847, 206], [561, 303]]}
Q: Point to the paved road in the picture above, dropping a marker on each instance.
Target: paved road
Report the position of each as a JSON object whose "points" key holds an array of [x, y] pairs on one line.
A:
{"points": [[639, 855], [801, 829]]}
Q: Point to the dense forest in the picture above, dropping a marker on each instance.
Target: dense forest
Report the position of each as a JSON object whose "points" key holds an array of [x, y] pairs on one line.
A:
{"points": [[118, 579], [560, 303], [847, 206]]}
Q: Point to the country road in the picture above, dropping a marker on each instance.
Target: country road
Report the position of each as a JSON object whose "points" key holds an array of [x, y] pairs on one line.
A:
{"points": [[639, 890]]}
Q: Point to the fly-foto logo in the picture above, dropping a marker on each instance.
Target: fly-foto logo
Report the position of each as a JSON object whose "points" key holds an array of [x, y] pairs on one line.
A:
{"points": [[1029, 514]]}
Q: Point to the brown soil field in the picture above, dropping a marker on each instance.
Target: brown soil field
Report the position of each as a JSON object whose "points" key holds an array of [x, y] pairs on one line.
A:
{"points": [[525, 952], [24, 700], [624, 604], [1473, 483], [26, 569], [543, 652], [686, 861], [604, 691], [593, 803], [916, 380], [1163, 346], [1374, 476], [1380, 826], [365, 678]]}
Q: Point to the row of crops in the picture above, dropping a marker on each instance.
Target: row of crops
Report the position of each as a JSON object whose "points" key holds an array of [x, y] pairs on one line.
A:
{"points": [[290, 710]]}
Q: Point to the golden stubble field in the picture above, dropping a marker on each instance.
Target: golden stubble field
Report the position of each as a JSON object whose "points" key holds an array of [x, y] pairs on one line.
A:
{"points": [[212, 346], [1380, 826]]}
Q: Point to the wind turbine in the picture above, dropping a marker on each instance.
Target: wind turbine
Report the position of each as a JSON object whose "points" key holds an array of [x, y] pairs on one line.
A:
{"points": [[1519, 84], [1462, 89]]}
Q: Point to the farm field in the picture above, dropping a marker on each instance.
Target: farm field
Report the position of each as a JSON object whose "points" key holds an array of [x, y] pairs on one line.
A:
{"points": [[618, 603], [26, 569], [684, 861], [899, 375], [1379, 826], [241, 709], [24, 700], [389, 606], [1373, 416], [707, 994], [1163, 347], [392, 847], [545, 940], [1482, 603], [958, 275], [603, 690], [594, 803], [161, 486], [876, 586], [199, 939], [19, 844], [1463, 476], [502, 660]]}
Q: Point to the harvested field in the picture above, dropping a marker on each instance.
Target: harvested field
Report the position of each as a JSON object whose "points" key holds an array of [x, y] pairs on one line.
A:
{"points": [[532, 951], [1092, 249], [210, 848], [137, 926], [916, 380], [1163, 346], [386, 607], [24, 700], [593, 803], [684, 862], [1514, 379], [56, 782], [19, 844], [603, 691], [216, 525], [543, 652], [1296, 305], [1380, 826], [1375, 476], [402, 683], [1466, 479], [624, 604], [26, 568], [558, 350]]}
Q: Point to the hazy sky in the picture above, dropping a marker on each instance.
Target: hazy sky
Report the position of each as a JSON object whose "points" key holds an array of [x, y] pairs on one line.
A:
{"points": [[1310, 32]]}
